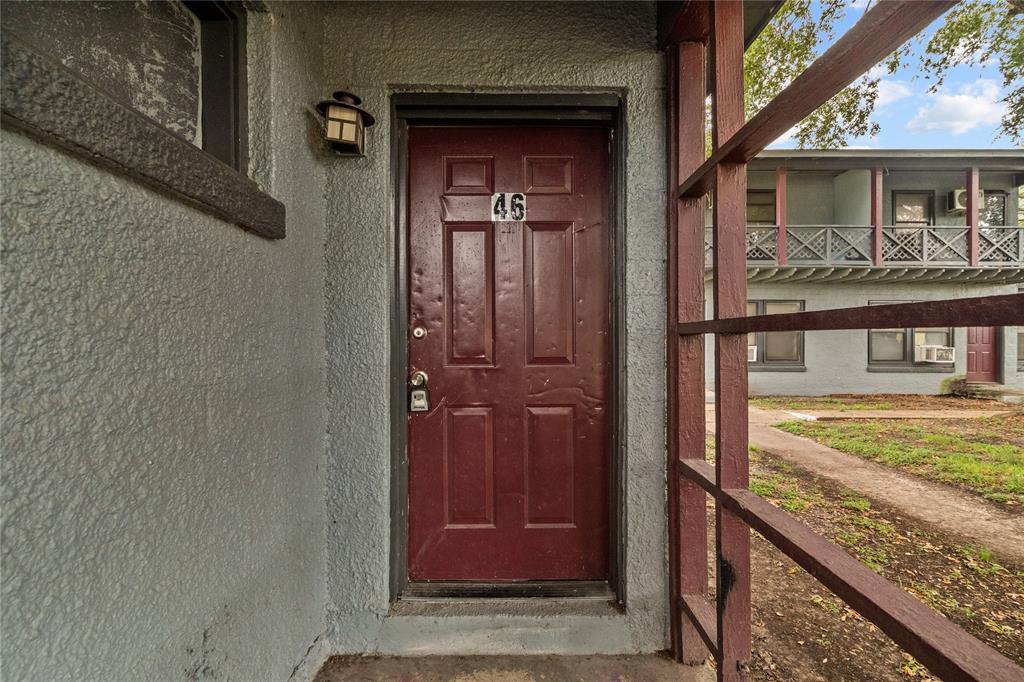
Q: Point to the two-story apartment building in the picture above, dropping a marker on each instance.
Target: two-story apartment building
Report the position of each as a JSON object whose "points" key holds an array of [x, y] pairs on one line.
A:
{"points": [[831, 229]]}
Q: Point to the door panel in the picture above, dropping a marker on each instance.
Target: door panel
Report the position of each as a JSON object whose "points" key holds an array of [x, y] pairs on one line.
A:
{"points": [[508, 470], [981, 354]]}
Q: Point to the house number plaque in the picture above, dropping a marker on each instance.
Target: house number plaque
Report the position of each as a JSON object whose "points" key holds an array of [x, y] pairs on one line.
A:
{"points": [[507, 206]]}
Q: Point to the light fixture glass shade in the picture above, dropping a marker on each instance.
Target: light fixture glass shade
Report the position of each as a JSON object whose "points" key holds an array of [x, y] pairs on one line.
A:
{"points": [[345, 123]]}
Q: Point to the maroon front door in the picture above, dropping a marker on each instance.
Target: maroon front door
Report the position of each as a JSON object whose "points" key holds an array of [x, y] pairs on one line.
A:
{"points": [[508, 468], [981, 354]]}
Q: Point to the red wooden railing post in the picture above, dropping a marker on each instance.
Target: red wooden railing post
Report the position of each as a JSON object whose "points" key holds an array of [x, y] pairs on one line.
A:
{"points": [[688, 565], [732, 536], [876, 217], [780, 215], [973, 232]]}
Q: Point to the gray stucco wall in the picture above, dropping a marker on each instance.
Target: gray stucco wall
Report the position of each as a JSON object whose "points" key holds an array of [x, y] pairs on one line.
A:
{"points": [[809, 195], [163, 432], [852, 192], [836, 361], [495, 47]]}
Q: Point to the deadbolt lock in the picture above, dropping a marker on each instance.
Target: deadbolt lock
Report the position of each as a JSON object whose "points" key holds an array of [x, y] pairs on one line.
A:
{"points": [[419, 332], [419, 396]]}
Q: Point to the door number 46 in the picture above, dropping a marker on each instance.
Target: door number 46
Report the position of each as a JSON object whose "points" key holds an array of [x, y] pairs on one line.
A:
{"points": [[508, 206]]}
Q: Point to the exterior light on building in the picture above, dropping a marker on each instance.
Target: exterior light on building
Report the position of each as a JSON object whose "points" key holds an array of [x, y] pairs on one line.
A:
{"points": [[345, 123]]}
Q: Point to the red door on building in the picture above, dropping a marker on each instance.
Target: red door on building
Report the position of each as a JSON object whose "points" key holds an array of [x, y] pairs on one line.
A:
{"points": [[509, 465], [981, 354]]}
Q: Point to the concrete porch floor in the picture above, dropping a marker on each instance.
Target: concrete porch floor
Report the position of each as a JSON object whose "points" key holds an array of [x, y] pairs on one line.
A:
{"points": [[640, 668]]}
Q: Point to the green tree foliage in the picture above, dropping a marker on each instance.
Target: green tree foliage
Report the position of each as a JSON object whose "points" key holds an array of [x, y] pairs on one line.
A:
{"points": [[973, 32]]}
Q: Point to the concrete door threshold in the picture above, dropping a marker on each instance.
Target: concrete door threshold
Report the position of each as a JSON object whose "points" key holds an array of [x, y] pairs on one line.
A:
{"points": [[627, 668], [448, 607]]}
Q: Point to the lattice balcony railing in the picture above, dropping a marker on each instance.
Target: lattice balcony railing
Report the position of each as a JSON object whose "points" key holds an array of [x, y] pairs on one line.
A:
{"points": [[1002, 245], [852, 245]]}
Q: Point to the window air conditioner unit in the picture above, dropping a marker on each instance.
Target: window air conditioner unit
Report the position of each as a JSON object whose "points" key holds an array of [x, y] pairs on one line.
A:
{"points": [[934, 354], [751, 353], [956, 201]]}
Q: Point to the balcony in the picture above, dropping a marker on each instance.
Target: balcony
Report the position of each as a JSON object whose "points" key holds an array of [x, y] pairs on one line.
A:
{"points": [[902, 247]]}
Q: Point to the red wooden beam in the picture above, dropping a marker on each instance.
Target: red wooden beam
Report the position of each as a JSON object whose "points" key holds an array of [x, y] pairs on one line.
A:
{"points": [[732, 535], [699, 611], [881, 30], [688, 536], [973, 235], [981, 311], [935, 641], [877, 218], [781, 255]]}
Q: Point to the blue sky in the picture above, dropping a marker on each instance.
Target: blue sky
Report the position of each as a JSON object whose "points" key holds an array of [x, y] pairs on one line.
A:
{"points": [[964, 114]]}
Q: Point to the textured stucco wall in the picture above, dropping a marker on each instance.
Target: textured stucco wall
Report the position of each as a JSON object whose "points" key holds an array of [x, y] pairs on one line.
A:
{"points": [[163, 431], [837, 361], [498, 47], [852, 192]]}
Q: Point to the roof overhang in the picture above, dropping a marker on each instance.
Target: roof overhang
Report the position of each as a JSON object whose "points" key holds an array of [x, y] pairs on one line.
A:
{"points": [[1005, 160], [909, 275], [687, 20]]}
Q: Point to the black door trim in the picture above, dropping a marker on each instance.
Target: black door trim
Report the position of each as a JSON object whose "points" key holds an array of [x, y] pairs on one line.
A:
{"points": [[605, 109]]}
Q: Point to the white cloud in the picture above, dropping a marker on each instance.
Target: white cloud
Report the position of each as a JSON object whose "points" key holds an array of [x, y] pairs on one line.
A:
{"points": [[974, 104], [890, 91], [859, 4]]}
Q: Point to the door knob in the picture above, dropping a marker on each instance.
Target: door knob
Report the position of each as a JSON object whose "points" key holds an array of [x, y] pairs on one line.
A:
{"points": [[418, 379]]}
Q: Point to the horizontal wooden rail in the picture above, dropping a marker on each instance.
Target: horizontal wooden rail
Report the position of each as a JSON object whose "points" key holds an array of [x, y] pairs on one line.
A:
{"points": [[982, 311], [885, 26], [924, 633], [702, 614]]}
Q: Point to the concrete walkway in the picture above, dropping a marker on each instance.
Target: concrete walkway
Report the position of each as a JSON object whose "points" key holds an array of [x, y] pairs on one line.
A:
{"points": [[936, 504], [649, 668]]}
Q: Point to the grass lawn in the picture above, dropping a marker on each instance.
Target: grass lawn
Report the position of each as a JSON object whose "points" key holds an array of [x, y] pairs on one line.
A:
{"points": [[855, 402], [985, 455]]}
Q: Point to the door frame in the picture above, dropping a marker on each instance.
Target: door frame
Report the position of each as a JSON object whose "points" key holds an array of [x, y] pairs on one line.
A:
{"points": [[527, 109]]}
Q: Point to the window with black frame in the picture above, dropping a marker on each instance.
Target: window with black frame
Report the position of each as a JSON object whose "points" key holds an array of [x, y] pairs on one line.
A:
{"points": [[993, 210], [775, 350], [760, 207], [223, 104], [912, 208], [910, 348]]}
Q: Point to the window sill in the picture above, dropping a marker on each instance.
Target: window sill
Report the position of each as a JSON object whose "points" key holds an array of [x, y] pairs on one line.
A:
{"points": [[42, 98], [776, 368], [912, 369]]}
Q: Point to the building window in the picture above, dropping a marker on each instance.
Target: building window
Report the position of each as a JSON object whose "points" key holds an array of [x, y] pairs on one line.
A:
{"points": [[901, 348], [993, 210], [775, 350], [223, 86], [760, 207], [913, 208]]}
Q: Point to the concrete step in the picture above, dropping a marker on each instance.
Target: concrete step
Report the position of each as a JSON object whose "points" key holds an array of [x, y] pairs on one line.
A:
{"points": [[998, 392]]}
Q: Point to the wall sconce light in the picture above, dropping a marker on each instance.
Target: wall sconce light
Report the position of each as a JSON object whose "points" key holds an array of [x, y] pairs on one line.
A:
{"points": [[345, 123]]}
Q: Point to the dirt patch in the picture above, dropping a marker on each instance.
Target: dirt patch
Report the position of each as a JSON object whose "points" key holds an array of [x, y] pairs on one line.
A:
{"points": [[875, 401], [804, 632]]}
